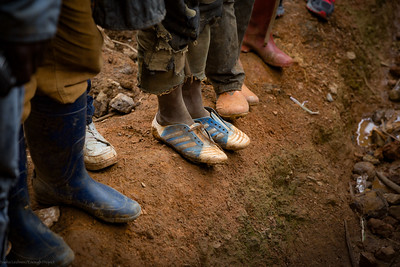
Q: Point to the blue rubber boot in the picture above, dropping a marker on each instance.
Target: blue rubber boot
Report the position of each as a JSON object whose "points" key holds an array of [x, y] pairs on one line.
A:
{"points": [[32, 243], [56, 134]]}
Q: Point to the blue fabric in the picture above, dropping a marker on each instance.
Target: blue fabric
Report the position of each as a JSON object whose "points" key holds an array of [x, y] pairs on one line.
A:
{"points": [[89, 105], [10, 117], [28, 20], [59, 130]]}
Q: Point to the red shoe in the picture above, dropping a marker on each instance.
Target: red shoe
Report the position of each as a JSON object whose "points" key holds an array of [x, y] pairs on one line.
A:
{"points": [[269, 52], [321, 8]]}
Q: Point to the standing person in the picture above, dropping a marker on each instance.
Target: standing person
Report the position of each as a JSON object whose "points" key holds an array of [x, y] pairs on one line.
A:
{"points": [[98, 153], [55, 101], [171, 66], [26, 26], [259, 38], [223, 69]]}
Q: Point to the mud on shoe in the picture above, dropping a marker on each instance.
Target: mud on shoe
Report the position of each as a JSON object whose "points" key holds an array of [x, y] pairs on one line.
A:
{"points": [[191, 142], [225, 134], [232, 105], [98, 152]]}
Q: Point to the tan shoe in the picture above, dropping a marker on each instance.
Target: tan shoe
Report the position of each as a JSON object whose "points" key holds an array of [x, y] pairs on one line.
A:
{"points": [[251, 97], [232, 105]]}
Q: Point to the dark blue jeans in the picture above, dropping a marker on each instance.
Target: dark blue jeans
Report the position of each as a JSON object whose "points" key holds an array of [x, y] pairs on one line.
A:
{"points": [[90, 106], [10, 123]]}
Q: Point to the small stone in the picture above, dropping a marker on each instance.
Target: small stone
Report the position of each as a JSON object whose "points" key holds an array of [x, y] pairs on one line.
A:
{"points": [[100, 104], [127, 84], [394, 95], [329, 97], [380, 228], [385, 253], [390, 220], [122, 103], [126, 70], [371, 159], [351, 55], [391, 151], [394, 211], [333, 88], [143, 185], [275, 112], [364, 167], [49, 216], [392, 199], [371, 204]]}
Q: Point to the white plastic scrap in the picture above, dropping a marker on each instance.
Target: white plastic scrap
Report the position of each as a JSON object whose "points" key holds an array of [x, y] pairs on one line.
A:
{"points": [[302, 105]]}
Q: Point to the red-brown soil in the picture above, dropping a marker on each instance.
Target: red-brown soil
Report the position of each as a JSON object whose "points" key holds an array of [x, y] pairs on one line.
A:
{"points": [[280, 202]]}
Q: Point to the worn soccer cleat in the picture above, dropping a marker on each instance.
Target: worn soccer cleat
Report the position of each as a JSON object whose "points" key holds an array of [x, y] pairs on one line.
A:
{"points": [[191, 142], [223, 133]]}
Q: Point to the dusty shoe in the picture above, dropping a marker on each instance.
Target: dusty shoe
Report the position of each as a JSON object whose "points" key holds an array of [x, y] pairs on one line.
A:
{"points": [[192, 142], [232, 105], [321, 8], [98, 152], [268, 52], [222, 132], [251, 97]]}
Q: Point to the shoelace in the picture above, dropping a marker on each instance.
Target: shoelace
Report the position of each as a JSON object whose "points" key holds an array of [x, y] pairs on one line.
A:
{"points": [[97, 138]]}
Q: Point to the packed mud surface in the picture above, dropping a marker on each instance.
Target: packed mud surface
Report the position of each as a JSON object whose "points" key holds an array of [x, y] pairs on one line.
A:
{"points": [[285, 199]]}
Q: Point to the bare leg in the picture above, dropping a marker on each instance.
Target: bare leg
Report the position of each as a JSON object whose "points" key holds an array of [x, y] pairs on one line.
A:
{"points": [[172, 109]]}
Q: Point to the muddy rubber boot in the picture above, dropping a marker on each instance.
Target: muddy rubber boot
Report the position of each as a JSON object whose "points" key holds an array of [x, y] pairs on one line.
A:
{"points": [[32, 243], [258, 35], [56, 134]]}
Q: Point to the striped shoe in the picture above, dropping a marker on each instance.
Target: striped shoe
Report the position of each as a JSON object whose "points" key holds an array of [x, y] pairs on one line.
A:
{"points": [[192, 142], [222, 132]]}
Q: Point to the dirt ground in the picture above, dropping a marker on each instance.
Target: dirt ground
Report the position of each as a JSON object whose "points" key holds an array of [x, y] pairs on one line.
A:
{"points": [[280, 202]]}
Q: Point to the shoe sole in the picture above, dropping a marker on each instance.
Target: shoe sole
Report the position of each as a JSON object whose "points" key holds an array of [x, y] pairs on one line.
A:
{"points": [[101, 165], [234, 116]]}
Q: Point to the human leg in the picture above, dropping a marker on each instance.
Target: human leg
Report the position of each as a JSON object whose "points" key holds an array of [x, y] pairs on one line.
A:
{"points": [[98, 152], [161, 72], [223, 69], [226, 135], [32, 242], [10, 112], [258, 35]]}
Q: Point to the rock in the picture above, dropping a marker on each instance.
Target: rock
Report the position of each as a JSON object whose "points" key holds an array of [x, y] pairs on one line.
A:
{"points": [[385, 253], [370, 204], [364, 167], [380, 228], [333, 88], [126, 70], [122, 103], [390, 220], [394, 95], [126, 84], [329, 97], [49, 216], [367, 259], [351, 55], [371, 159], [391, 151], [101, 104], [392, 199], [394, 211]]}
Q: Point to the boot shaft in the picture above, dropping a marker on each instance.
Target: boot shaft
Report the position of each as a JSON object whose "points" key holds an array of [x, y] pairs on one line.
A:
{"points": [[262, 18], [55, 135]]}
